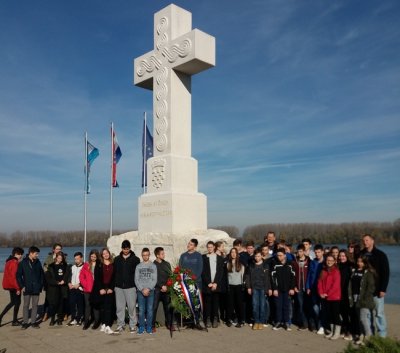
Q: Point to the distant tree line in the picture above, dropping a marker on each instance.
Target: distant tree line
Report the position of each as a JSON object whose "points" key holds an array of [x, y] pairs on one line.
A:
{"points": [[48, 238], [330, 233]]}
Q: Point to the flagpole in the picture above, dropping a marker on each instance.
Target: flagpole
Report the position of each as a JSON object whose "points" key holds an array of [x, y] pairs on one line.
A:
{"points": [[111, 180], [85, 197], [144, 154]]}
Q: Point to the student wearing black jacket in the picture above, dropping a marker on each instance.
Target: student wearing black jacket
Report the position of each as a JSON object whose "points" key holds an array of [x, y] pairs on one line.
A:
{"points": [[257, 279], [125, 289], [161, 291], [30, 278], [283, 284], [380, 263], [57, 287], [212, 282]]}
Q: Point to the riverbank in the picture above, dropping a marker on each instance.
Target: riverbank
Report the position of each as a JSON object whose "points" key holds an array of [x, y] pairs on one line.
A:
{"points": [[63, 339]]}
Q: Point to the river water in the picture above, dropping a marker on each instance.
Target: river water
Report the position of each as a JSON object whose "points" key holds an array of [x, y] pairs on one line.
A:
{"points": [[393, 253]]}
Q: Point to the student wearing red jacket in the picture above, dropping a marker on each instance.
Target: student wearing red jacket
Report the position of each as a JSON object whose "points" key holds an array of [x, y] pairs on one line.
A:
{"points": [[10, 283], [329, 290]]}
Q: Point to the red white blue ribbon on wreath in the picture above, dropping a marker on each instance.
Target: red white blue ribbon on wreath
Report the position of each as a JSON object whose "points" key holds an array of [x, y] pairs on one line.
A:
{"points": [[186, 293]]}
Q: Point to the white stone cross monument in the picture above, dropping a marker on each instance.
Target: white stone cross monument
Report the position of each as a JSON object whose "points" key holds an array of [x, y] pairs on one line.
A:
{"points": [[172, 203], [172, 211]]}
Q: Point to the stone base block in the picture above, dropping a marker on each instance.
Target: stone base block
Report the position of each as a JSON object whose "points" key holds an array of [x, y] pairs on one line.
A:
{"points": [[173, 244], [172, 213]]}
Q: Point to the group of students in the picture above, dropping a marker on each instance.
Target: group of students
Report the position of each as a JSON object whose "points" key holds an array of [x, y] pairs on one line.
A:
{"points": [[330, 291]]}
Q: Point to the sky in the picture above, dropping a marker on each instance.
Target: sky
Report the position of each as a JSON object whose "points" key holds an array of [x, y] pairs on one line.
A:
{"points": [[299, 121]]}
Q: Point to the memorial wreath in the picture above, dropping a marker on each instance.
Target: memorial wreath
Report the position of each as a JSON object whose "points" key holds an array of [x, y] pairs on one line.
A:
{"points": [[185, 296]]}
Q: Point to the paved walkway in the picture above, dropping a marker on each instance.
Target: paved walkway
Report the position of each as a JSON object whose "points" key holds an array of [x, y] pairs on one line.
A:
{"points": [[63, 339]]}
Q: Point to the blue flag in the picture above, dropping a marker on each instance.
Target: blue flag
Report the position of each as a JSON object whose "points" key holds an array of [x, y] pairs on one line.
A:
{"points": [[147, 151], [117, 154], [92, 154]]}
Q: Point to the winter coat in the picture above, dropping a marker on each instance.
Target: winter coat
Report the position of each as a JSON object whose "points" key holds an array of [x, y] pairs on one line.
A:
{"points": [[367, 289], [56, 291], [251, 273], [10, 274], [206, 274], [124, 269], [163, 272], [30, 276], [98, 284], [301, 273], [329, 284], [314, 272], [86, 278], [380, 263], [283, 277], [346, 270]]}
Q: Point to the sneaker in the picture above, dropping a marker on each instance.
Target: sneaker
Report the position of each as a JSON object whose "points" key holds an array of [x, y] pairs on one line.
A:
{"points": [[35, 326], [119, 329], [255, 326], [277, 327], [103, 328], [16, 323], [265, 325], [140, 331], [260, 327], [132, 329], [238, 325], [303, 328], [72, 323], [321, 331], [251, 325], [79, 322], [288, 327], [149, 331], [348, 338], [108, 330], [24, 326], [228, 323]]}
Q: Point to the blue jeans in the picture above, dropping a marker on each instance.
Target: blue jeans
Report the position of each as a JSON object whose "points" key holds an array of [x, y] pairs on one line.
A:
{"points": [[145, 310], [258, 301], [365, 319], [301, 302], [380, 319]]}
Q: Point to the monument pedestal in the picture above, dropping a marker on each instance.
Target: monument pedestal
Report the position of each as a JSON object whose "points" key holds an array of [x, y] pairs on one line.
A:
{"points": [[173, 244], [172, 213]]}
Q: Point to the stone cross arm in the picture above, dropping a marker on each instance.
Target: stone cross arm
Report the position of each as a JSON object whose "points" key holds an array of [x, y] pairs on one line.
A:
{"points": [[190, 54]]}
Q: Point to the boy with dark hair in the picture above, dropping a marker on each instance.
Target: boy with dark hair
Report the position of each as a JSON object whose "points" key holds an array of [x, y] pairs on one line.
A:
{"points": [[258, 286], [10, 283], [307, 248], [301, 265], [212, 275], [146, 280], [76, 298], [160, 291], [314, 271], [30, 277], [283, 284], [192, 260], [125, 288]]}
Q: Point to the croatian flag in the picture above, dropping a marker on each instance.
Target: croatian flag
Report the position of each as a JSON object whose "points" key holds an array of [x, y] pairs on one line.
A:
{"points": [[116, 157], [147, 150], [92, 154]]}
